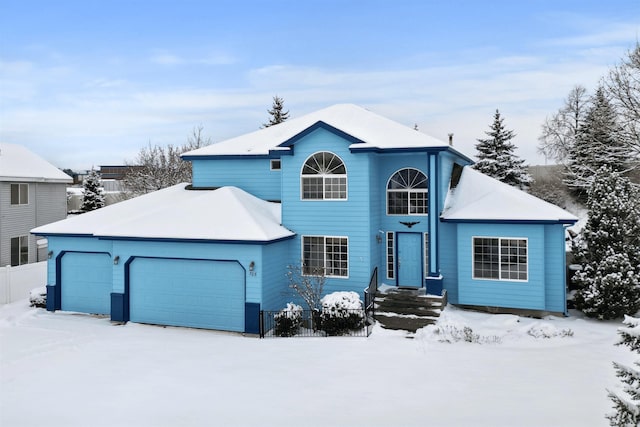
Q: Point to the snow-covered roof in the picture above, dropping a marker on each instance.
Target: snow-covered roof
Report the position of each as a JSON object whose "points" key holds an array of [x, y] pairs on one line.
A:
{"points": [[19, 164], [480, 197], [227, 213], [374, 132]]}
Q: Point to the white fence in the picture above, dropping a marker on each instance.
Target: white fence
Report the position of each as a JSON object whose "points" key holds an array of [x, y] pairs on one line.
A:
{"points": [[17, 282]]}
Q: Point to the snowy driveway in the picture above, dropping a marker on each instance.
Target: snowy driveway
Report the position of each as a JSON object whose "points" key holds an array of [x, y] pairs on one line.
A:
{"points": [[67, 369]]}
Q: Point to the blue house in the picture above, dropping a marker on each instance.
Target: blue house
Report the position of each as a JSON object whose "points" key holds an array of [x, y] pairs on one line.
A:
{"points": [[341, 189]]}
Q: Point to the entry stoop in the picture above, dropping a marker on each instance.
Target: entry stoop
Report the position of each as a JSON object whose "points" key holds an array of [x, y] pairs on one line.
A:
{"points": [[407, 309]]}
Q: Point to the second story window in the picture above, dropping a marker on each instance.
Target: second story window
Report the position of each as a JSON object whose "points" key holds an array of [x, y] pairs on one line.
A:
{"points": [[324, 177], [19, 194], [407, 193]]}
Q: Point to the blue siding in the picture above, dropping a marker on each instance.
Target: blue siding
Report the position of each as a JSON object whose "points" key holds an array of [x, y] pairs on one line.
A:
{"points": [[555, 268], [252, 175], [350, 218], [498, 293], [448, 247], [275, 285]]}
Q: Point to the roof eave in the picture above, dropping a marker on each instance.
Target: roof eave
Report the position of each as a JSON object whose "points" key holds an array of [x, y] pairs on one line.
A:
{"points": [[509, 221], [36, 179]]}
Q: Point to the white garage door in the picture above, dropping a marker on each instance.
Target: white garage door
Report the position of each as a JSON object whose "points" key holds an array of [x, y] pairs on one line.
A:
{"points": [[194, 293], [86, 282]]}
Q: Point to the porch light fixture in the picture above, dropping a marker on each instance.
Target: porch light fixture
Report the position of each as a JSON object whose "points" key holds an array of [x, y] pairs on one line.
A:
{"points": [[49, 254], [252, 266], [116, 260]]}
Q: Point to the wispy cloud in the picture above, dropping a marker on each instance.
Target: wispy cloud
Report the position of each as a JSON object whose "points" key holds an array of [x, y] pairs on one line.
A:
{"points": [[163, 57]]}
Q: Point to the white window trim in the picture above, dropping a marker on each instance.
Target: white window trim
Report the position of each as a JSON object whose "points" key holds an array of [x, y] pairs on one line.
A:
{"points": [[271, 162], [526, 239], [390, 258], [324, 176], [425, 253], [325, 253], [386, 194], [19, 184]]}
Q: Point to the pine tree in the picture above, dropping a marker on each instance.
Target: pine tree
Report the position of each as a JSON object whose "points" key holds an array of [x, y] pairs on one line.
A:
{"points": [[608, 249], [626, 402], [92, 195], [277, 113], [600, 141], [496, 156]]}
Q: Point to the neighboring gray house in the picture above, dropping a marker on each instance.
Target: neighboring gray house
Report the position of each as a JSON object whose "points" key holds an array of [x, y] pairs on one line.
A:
{"points": [[32, 193]]}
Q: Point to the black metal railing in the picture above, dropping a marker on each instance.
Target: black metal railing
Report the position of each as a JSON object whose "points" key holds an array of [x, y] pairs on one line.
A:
{"points": [[370, 291], [315, 323]]}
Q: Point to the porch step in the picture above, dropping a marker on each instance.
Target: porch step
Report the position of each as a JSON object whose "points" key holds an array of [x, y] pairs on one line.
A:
{"points": [[407, 309], [404, 323]]}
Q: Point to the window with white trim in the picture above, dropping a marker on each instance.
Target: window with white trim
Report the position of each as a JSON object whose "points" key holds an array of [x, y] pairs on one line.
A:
{"points": [[407, 193], [19, 250], [19, 194], [500, 258], [391, 266], [275, 164], [324, 177], [325, 253]]}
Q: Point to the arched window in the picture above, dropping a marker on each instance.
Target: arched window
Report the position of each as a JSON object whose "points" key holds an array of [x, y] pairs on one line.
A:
{"points": [[407, 193], [324, 177]]}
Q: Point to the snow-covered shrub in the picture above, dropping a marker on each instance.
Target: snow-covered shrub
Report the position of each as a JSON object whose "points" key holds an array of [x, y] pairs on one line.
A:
{"points": [[38, 297], [451, 333], [548, 331], [288, 320], [341, 312]]}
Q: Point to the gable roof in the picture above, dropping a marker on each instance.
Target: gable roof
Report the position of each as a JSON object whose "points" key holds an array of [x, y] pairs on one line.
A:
{"points": [[227, 213], [478, 197], [368, 131], [19, 164]]}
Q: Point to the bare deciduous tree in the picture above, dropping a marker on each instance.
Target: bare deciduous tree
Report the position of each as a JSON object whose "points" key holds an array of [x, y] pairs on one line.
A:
{"points": [[623, 85], [559, 131], [157, 167], [307, 285]]}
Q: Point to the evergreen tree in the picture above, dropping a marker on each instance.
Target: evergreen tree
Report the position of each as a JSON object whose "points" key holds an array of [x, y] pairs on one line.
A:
{"points": [[277, 113], [92, 195], [496, 156], [599, 142], [626, 402], [608, 249]]}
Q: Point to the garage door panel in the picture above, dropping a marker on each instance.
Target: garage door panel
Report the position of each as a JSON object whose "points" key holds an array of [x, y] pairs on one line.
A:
{"points": [[86, 282], [195, 293]]}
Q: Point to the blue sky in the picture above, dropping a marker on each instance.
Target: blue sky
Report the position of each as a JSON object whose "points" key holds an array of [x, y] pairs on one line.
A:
{"points": [[86, 83]]}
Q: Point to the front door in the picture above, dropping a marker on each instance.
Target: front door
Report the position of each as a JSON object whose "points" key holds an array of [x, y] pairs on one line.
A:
{"points": [[410, 259]]}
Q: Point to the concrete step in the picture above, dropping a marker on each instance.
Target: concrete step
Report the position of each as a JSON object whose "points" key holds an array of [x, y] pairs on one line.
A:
{"points": [[406, 323], [407, 309], [421, 302], [387, 307]]}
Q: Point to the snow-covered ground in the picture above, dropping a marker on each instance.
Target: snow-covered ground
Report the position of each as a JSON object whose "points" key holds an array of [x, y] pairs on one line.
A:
{"points": [[66, 369]]}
